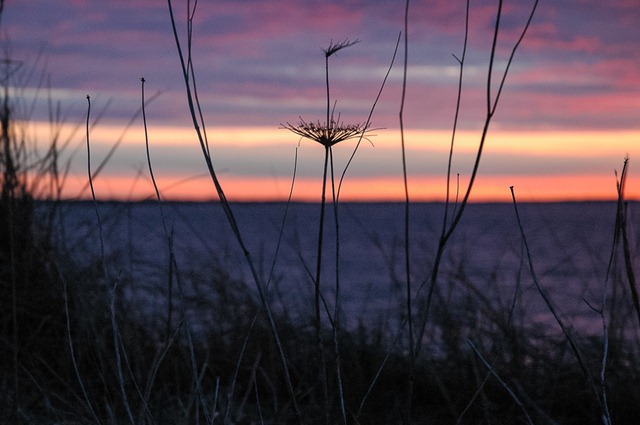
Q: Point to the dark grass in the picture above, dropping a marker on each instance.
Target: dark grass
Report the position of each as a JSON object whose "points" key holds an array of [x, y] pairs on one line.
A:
{"points": [[449, 379]]}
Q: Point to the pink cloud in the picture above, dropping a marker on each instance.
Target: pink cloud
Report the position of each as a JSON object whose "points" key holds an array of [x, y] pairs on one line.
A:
{"points": [[552, 110], [622, 73], [545, 37]]}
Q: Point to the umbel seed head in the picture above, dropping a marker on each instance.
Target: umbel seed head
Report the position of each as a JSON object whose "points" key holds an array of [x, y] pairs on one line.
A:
{"points": [[335, 47], [327, 135]]}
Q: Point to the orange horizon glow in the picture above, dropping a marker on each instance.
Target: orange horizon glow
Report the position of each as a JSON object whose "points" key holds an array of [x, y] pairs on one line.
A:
{"points": [[119, 182], [425, 189]]}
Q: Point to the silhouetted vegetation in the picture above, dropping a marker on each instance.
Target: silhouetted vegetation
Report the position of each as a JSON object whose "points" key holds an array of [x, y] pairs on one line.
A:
{"points": [[78, 344]]}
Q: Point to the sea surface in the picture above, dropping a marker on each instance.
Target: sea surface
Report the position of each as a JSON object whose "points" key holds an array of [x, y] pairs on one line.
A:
{"points": [[485, 265]]}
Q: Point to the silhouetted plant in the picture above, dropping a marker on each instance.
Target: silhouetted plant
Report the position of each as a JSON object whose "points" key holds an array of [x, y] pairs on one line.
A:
{"points": [[328, 134], [32, 333]]}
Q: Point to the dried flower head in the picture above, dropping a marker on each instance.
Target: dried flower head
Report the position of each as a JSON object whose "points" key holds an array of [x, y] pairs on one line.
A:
{"points": [[327, 135], [335, 47], [332, 131]]}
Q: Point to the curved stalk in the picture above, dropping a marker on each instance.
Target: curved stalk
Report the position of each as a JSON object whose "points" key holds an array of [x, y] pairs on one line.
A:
{"points": [[192, 103], [407, 251], [318, 318], [492, 103]]}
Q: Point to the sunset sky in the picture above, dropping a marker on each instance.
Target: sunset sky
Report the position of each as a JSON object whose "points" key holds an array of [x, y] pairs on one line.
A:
{"points": [[569, 114]]}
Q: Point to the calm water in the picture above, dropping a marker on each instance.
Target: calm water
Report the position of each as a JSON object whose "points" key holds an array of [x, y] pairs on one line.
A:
{"points": [[570, 247]]}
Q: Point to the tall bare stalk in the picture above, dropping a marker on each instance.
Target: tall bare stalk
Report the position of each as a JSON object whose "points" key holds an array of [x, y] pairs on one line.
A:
{"points": [[601, 398], [329, 133], [621, 233], [193, 105], [234, 380], [72, 350], [114, 327], [407, 256], [492, 101], [173, 269], [500, 380]]}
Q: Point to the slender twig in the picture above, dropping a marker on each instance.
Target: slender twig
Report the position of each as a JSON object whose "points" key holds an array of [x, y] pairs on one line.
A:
{"points": [[565, 329], [618, 232], [384, 362], [328, 134], [318, 320], [367, 123], [508, 325], [114, 327], [492, 103], [114, 147], [72, 351], [229, 213], [336, 199], [461, 61], [173, 269], [622, 231], [116, 348], [501, 381], [407, 256], [159, 201], [169, 335], [190, 15], [214, 407], [158, 361], [332, 49], [236, 372], [336, 313]]}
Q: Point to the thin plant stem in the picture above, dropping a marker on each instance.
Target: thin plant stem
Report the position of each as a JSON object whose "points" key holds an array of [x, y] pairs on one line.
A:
{"points": [[190, 15], [114, 147], [621, 221], [169, 334], [326, 136], [501, 381], [229, 213], [159, 201], [114, 327], [330, 133], [492, 103], [118, 354], [619, 231], [461, 61], [565, 330], [326, 73], [321, 237], [407, 251], [125, 400], [215, 399], [72, 351], [368, 121], [378, 373], [509, 324], [257, 393], [336, 313], [93, 193], [157, 362], [336, 199], [245, 342], [173, 268], [318, 319], [628, 262]]}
